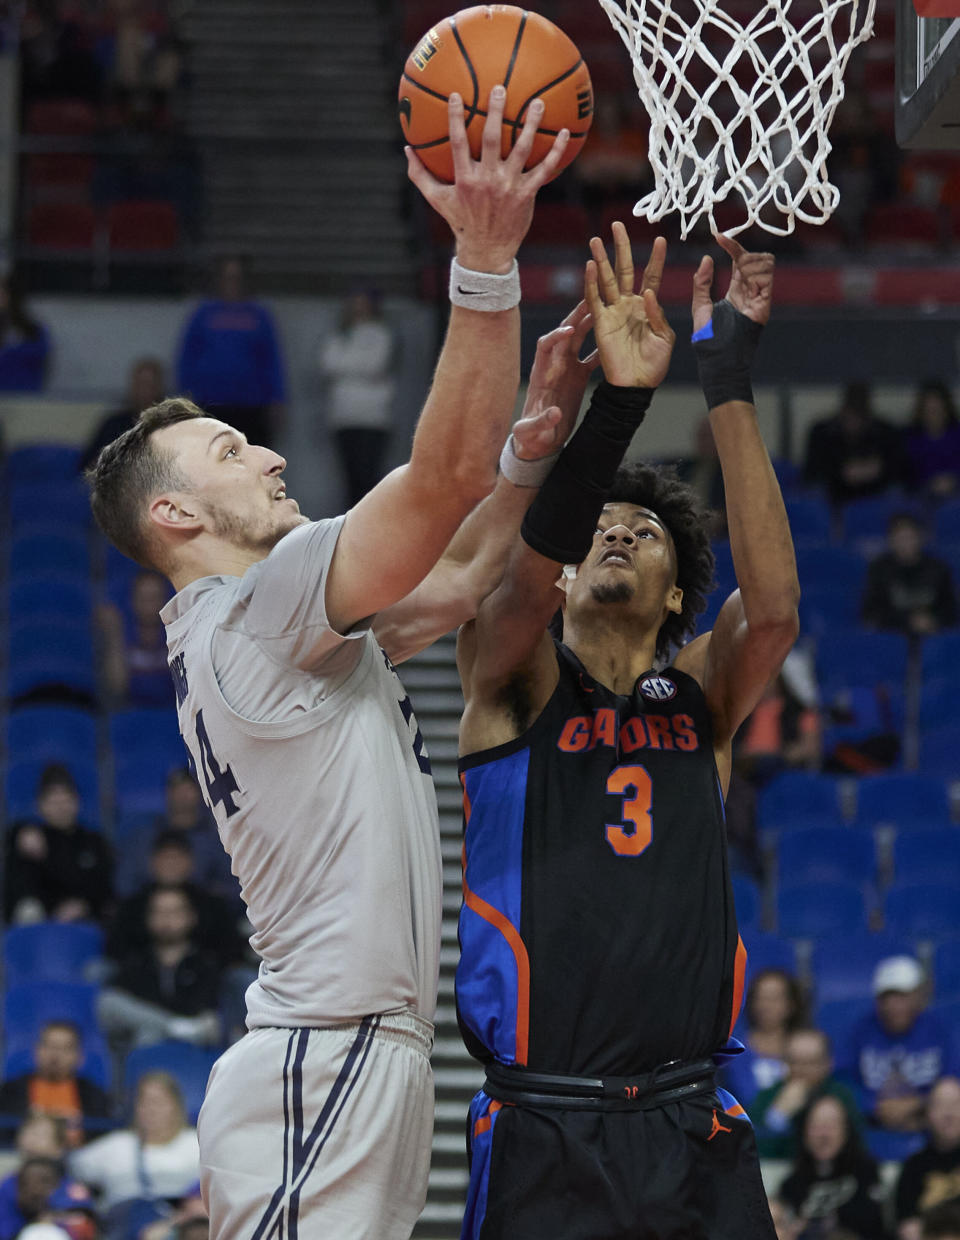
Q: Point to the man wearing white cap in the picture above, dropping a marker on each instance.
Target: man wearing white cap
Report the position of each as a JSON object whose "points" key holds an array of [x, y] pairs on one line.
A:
{"points": [[896, 1053]]}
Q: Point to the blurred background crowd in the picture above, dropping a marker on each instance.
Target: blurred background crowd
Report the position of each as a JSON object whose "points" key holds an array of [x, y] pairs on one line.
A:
{"points": [[130, 273]]}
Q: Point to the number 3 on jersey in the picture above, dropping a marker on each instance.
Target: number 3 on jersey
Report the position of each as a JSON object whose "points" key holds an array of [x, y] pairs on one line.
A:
{"points": [[633, 834], [221, 784]]}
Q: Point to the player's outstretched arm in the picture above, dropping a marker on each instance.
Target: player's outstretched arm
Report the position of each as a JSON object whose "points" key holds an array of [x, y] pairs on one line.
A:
{"points": [[395, 535], [507, 643], [473, 563], [758, 624]]}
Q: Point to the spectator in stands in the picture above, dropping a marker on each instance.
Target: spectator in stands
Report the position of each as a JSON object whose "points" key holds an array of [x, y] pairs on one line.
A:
{"points": [[56, 57], [141, 59], [613, 164], [933, 441], [774, 1008], [783, 732], [358, 362], [785, 1221], [170, 988], [172, 865], [776, 1109], [942, 1222], [932, 1175], [133, 646], [229, 360], [908, 590], [187, 1222], [896, 1052], [834, 1184], [54, 1088], [24, 341], [186, 815], [853, 452], [34, 1184], [55, 868], [146, 384], [157, 1158], [863, 162], [41, 1136]]}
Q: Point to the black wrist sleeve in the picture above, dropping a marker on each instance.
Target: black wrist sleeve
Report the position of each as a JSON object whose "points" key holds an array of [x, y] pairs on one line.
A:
{"points": [[561, 520], [724, 350]]}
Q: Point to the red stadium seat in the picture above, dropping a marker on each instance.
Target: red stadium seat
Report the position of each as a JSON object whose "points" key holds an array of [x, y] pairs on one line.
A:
{"points": [[559, 223], [62, 226], [143, 226], [894, 224], [59, 170], [61, 116]]}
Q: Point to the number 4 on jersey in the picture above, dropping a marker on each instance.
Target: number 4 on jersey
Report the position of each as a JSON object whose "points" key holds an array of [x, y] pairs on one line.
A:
{"points": [[221, 784]]}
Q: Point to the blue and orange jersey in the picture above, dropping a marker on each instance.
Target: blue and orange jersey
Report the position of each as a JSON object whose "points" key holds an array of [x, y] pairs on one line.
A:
{"points": [[598, 933]]}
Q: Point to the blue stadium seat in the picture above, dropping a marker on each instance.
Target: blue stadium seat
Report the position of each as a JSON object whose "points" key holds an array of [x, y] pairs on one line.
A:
{"points": [[66, 502], [21, 788], [815, 854], [119, 572], [50, 654], [940, 700], [798, 799], [904, 798], [747, 901], [946, 524], [927, 856], [768, 951], [50, 951], [845, 971], [825, 610], [810, 518], [940, 752], [43, 549], [821, 910], [860, 657], [946, 971], [922, 910], [29, 1006], [865, 520], [146, 748], [189, 1065], [51, 600], [44, 462], [53, 733], [837, 1017], [839, 567], [940, 654]]}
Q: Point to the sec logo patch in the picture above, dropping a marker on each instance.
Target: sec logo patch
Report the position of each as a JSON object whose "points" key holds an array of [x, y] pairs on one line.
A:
{"points": [[658, 688]]}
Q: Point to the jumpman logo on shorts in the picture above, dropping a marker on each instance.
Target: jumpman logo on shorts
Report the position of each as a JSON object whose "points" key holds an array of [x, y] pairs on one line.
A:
{"points": [[717, 1127]]}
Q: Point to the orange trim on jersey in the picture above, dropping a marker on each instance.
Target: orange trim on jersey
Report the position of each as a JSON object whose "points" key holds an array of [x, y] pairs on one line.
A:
{"points": [[514, 941], [485, 1122], [735, 1110], [739, 972]]}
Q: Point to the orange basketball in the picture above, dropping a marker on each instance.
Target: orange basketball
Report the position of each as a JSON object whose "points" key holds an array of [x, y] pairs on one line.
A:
{"points": [[477, 49]]}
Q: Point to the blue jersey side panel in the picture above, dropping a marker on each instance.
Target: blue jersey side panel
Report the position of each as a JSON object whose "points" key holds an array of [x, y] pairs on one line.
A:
{"points": [[492, 977]]}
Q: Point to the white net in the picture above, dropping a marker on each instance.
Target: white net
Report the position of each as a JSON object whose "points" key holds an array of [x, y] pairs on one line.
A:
{"points": [[740, 97]]}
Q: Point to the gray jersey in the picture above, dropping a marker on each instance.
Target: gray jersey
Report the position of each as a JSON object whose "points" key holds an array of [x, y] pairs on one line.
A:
{"points": [[310, 758]]}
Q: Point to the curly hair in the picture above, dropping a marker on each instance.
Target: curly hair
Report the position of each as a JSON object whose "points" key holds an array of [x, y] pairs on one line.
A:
{"points": [[658, 488]]}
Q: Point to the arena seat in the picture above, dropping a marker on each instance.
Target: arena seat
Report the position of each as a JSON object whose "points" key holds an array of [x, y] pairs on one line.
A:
{"points": [[63, 503], [768, 951], [846, 972], [838, 1017], [21, 788], [946, 522], [50, 951], [43, 550], [52, 734], [922, 910], [69, 226], [43, 462], [946, 971], [940, 751], [905, 799], [841, 567], [825, 610], [28, 1006], [146, 746], [939, 698], [826, 854], [51, 654], [61, 117], [799, 799], [821, 910], [930, 855], [45, 597], [189, 1065], [865, 520], [748, 901], [940, 656], [810, 518], [142, 227], [861, 657]]}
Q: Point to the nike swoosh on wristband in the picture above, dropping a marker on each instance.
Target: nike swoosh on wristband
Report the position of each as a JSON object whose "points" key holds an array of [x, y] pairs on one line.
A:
{"points": [[469, 292]]}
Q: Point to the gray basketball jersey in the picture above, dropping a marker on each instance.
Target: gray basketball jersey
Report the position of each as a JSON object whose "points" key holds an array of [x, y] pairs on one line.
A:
{"points": [[309, 755]]}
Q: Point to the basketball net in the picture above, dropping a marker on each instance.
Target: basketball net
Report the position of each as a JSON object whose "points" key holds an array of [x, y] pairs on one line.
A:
{"points": [[740, 109]]}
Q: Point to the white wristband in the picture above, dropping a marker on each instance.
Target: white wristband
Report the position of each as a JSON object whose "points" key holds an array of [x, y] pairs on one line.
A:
{"points": [[524, 473], [482, 290]]}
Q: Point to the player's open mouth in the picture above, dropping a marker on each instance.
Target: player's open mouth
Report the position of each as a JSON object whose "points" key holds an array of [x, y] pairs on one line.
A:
{"points": [[615, 557]]}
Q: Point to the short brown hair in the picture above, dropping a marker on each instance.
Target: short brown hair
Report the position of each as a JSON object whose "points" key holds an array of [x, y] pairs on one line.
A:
{"points": [[130, 472]]}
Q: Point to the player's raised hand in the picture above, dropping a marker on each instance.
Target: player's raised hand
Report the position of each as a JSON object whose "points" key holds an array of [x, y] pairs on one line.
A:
{"points": [[751, 284], [634, 339], [557, 383], [490, 204]]}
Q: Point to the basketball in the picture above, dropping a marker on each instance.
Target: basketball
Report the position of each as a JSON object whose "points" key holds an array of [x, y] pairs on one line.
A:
{"points": [[482, 47]]}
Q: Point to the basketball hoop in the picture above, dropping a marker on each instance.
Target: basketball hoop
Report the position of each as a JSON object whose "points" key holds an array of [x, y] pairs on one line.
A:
{"points": [[740, 107]]}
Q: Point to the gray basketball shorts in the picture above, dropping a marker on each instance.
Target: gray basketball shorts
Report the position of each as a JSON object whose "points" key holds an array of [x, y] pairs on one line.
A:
{"points": [[307, 1134]]}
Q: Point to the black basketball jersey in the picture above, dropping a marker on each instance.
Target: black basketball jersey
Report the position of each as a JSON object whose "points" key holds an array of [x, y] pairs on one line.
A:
{"points": [[598, 933]]}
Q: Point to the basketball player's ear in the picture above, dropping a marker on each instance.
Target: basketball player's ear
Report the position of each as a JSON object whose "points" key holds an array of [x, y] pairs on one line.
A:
{"points": [[175, 511], [675, 599]]}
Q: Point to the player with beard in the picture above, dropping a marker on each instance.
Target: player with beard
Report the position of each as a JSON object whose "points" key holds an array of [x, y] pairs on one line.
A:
{"points": [[601, 970], [319, 1120]]}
